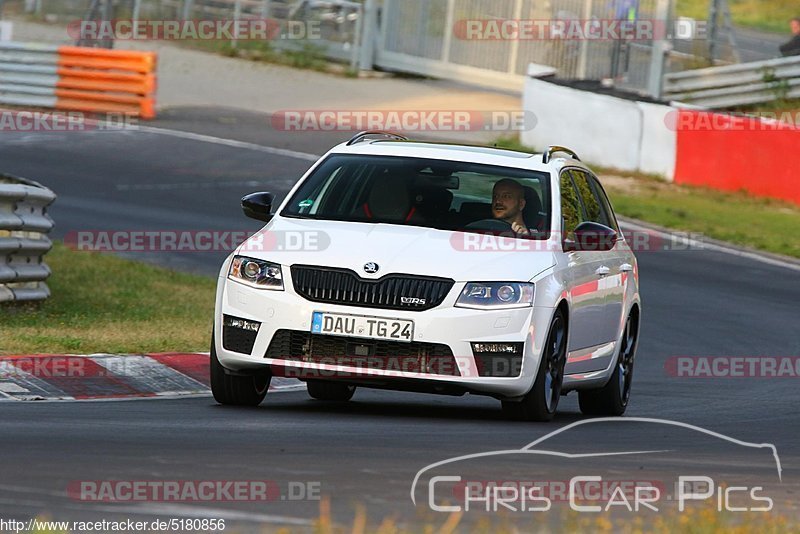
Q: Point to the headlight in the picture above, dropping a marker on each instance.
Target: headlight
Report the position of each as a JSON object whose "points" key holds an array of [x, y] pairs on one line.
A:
{"points": [[496, 295], [256, 273]]}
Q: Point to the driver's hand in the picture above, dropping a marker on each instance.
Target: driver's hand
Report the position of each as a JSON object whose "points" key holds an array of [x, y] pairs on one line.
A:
{"points": [[519, 229]]}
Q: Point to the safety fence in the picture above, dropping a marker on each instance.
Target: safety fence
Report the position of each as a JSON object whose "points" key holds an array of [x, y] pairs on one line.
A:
{"points": [[336, 24], [427, 37], [75, 78], [736, 85], [423, 36], [24, 224]]}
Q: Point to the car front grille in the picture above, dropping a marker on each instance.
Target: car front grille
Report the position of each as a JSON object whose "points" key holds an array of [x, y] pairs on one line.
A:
{"points": [[392, 292], [414, 357]]}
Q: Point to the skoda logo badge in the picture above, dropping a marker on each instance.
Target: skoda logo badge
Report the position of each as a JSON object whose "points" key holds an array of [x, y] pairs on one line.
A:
{"points": [[371, 268]]}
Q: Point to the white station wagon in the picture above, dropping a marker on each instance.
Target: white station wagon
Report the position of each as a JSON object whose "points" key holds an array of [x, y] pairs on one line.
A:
{"points": [[433, 268]]}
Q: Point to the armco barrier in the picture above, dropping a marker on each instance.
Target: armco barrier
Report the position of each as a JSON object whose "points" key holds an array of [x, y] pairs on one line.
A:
{"points": [[78, 79], [23, 243], [736, 85]]}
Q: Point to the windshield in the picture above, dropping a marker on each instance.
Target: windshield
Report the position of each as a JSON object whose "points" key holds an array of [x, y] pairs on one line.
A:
{"points": [[446, 195]]}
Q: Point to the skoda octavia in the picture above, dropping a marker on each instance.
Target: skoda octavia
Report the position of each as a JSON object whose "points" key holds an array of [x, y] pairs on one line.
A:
{"points": [[433, 268]]}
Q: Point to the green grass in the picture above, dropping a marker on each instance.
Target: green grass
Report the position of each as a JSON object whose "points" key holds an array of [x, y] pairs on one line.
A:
{"points": [[733, 217], [308, 56], [102, 303], [763, 224], [769, 15], [785, 109]]}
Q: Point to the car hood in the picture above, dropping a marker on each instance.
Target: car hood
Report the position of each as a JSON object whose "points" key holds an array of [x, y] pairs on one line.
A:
{"points": [[397, 249]]}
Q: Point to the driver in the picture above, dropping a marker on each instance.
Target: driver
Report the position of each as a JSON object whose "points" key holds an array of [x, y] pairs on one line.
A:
{"points": [[508, 201]]}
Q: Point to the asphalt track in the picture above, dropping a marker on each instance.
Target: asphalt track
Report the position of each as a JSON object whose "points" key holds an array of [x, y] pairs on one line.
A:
{"points": [[696, 303]]}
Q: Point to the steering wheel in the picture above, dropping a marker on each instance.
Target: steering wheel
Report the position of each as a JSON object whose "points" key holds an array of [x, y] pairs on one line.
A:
{"points": [[490, 225]]}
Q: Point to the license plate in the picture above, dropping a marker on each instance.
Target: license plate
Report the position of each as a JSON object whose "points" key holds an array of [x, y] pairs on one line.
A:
{"points": [[339, 324]]}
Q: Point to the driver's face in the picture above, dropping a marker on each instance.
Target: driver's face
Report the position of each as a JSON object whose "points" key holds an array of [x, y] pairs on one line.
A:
{"points": [[796, 27], [507, 202]]}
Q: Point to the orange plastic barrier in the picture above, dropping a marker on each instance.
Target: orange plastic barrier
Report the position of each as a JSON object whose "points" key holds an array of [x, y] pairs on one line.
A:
{"points": [[734, 153], [101, 80]]}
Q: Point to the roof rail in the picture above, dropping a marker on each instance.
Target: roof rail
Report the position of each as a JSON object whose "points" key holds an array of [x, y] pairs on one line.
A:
{"points": [[364, 136], [548, 155]]}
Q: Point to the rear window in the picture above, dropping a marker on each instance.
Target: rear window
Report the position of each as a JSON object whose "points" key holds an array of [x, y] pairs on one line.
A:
{"points": [[446, 195]]}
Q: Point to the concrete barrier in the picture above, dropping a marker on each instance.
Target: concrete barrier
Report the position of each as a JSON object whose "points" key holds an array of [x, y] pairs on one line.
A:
{"points": [[658, 148], [606, 130]]}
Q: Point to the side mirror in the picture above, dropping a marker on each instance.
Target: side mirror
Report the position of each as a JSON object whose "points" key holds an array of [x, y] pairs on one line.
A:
{"points": [[258, 206], [591, 236]]}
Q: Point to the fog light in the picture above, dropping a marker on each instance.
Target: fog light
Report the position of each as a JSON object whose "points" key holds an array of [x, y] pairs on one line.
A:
{"points": [[505, 348], [239, 335], [498, 360], [243, 324]]}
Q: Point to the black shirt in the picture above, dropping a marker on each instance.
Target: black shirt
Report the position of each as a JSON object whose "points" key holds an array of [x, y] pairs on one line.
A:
{"points": [[792, 48]]}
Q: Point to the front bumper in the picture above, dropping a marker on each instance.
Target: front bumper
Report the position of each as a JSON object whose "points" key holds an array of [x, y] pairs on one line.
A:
{"points": [[457, 328]]}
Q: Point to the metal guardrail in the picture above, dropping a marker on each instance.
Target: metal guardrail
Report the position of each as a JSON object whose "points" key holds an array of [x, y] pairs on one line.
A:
{"points": [[28, 74], [736, 85], [77, 78], [24, 224]]}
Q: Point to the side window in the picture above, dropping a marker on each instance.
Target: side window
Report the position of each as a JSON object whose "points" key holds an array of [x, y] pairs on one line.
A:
{"points": [[592, 203], [571, 212], [605, 203]]}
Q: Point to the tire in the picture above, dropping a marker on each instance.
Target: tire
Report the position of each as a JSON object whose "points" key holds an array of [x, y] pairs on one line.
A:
{"points": [[612, 399], [236, 390], [330, 391], [541, 402]]}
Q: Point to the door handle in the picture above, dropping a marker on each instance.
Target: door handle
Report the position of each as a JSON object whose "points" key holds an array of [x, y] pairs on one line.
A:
{"points": [[625, 268], [602, 271]]}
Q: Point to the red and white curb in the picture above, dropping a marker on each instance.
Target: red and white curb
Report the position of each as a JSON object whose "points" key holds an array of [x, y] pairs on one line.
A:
{"points": [[110, 376]]}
